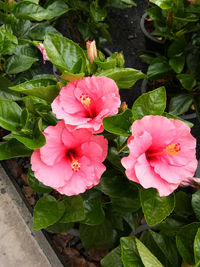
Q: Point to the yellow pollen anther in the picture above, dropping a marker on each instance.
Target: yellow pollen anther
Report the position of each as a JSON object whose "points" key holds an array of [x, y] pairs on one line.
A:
{"points": [[85, 100], [173, 149], [75, 165]]}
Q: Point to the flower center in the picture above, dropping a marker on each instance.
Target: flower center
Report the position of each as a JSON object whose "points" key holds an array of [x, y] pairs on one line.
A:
{"points": [[172, 149], [85, 100], [75, 165]]}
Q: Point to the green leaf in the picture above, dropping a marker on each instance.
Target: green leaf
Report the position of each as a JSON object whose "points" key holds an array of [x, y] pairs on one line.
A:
{"points": [[8, 42], [32, 11], [24, 57], [64, 53], [158, 68], [185, 240], [177, 47], [13, 149], [94, 213], [74, 209], [129, 253], [171, 116], [124, 195], [100, 236], [47, 211], [6, 93], [151, 103], [124, 77], [119, 124], [195, 204], [177, 63], [105, 65], [113, 258], [180, 104], [38, 31], [164, 4], [36, 185], [43, 88], [148, 259], [98, 14], [168, 247], [71, 77], [187, 81], [156, 208], [10, 113], [197, 247], [33, 141], [183, 206], [59, 227]]}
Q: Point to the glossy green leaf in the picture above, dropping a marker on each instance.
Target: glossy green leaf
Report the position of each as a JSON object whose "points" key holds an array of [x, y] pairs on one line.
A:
{"points": [[38, 31], [71, 77], [105, 65], [156, 208], [124, 195], [59, 227], [8, 42], [168, 247], [94, 213], [177, 47], [33, 141], [183, 206], [114, 158], [164, 4], [151, 103], [32, 11], [100, 236], [64, 53], [185, 241], [13, 149], [197, 247], [36, 185], [187, 81], [195, 204], [74, 209], [113, 258], [47, 211], [124, 77], [119, 124], [98, 14], [43, 88], [158, 68], [10, 113], [129, 253], [148, 259], [180, 104], [6, 93], [177, 63]]}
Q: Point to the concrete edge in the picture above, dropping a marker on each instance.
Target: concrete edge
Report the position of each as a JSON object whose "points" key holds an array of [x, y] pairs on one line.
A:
{"points": [[40, 238]]}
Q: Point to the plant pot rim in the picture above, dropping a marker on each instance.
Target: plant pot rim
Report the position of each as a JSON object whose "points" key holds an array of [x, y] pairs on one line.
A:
{"points": [[185, 117], [146, 33]]}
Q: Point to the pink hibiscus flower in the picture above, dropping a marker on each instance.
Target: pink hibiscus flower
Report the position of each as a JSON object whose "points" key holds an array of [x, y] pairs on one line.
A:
{"points": [[162, 154], [70, 162], [84, 103], [43, 51]]}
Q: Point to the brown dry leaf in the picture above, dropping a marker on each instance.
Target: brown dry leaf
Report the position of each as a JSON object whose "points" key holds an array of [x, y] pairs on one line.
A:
{"points": [[24, 178], [15, 169], [95, 254], [29, 194]]}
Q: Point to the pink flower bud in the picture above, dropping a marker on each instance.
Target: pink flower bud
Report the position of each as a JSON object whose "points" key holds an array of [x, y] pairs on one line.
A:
{"points": [[192, 1], [91, 50], [43, 51]]}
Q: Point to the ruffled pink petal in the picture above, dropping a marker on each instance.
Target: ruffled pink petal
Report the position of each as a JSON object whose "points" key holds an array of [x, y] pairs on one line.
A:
{"points": [[160, 128], [53, 176], [148, 178], [54, 150]]}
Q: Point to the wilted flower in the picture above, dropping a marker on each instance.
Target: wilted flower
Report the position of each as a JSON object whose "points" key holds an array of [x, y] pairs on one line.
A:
{"points": [[43, 51], [84, 103], [162, 153], [91, 50], [70, 162]]}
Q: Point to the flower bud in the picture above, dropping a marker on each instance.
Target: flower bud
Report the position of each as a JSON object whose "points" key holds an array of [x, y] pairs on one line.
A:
{"points": [[91, 50], [120, 60], [43, 51], [123, 107]]}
